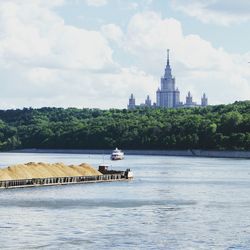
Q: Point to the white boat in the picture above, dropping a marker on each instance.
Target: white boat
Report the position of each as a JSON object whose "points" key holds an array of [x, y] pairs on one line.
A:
{"points": [[117, 154]]}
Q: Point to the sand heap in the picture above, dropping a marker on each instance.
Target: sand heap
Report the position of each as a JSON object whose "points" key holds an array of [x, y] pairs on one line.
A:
{"points": [[45, 170]]}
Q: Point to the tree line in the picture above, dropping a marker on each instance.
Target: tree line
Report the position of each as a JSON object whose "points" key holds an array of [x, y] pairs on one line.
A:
{"points": [[221, 127]]}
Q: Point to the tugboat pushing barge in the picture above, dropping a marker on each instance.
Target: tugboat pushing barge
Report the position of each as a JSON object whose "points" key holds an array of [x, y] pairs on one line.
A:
{"points": [[128, 174], [42, 174]]}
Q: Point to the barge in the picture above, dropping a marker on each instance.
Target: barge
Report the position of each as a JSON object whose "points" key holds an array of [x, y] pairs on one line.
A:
{"points": [[103, 175]]}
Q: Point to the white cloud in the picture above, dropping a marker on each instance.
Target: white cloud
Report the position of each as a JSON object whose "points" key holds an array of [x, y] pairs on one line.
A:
{"points": [[56, 87], [112, 32], [133, 5], [34, 35], [44, 3], [46, 62], [223, 12], [96, 3]]}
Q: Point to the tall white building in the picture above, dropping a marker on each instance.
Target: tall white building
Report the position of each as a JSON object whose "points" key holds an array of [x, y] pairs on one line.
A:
{"points": [[168, 96]]}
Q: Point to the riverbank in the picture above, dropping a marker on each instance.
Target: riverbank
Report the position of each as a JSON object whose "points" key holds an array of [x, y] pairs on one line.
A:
{"points": [[190, 153]]}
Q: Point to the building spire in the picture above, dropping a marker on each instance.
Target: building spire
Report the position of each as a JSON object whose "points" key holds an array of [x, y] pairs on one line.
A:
{"points": [[168, 73], [168, 57]]}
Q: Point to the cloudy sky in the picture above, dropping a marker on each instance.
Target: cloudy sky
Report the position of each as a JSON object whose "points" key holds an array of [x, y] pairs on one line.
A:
{"points": [[94, 53]]}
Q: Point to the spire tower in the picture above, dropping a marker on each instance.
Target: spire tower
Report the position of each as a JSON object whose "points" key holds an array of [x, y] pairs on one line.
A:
{"points": [[168, 58], [168, 73]]}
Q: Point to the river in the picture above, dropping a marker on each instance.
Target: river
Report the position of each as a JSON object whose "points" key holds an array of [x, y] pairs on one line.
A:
{"points": [[173, 203]]}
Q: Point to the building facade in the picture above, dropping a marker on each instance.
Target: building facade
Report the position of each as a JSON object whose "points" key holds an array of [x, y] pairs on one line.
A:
{"points": [[168, 95], [131, 102], [204, 101], [189, 101], [148, 102]]}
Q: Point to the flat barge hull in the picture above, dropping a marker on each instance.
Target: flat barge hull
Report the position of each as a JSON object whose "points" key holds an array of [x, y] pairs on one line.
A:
{"points": [[54, 181]]}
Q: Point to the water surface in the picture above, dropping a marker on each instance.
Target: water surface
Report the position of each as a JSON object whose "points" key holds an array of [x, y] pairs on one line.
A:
{"points": [[173, 203]]}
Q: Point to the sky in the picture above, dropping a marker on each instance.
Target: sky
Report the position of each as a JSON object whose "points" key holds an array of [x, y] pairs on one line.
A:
{"points": [[95, 53]]}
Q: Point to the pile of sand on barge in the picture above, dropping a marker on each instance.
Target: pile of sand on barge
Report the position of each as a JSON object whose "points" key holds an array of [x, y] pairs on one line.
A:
{"points": [[45, 170]]}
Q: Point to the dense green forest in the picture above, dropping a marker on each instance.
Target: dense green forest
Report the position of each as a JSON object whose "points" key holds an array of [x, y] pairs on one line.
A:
{"points": [[223, 127]]}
